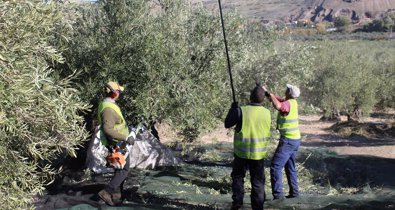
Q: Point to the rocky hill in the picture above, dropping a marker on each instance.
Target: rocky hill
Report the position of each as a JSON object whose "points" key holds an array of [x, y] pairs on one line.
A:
{"points": [[293, 10]]}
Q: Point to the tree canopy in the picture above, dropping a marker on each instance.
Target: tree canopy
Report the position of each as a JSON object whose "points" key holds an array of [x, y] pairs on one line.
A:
{"points": [[56, 57]]}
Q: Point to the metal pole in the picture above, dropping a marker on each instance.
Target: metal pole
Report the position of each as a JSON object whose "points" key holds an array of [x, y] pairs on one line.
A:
{"points": [[227, 54]]}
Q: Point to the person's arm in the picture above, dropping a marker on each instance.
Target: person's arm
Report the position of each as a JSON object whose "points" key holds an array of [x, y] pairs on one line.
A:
{"points": [[233, 116], [275, 102], [110, 118], [278, 103]]}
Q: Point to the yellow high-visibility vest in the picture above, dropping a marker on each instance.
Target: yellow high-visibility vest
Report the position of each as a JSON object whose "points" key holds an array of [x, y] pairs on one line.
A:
{"points": [[120, 127], [252, 140], [289, 125]]}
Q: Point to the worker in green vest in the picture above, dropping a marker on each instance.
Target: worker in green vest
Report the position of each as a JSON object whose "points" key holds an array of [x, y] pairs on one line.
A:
{"points": [[288, 145], [250, 147], [113, 130]]}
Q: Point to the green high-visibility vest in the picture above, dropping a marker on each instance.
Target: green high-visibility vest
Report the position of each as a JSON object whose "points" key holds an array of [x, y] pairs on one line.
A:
{"points": [[120, 127], [289, 125], [252, 140]]}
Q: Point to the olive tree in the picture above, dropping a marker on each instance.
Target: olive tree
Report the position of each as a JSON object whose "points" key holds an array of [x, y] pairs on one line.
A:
{"points": [[342, 22], [275, 60], [39, 118], [352, 77], [171, 58], [169, 55]]}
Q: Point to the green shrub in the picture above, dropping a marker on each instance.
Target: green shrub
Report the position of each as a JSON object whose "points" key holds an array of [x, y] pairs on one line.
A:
{"points": [[352, 76], [38, 113], [342, 22], [385, 23], [171, 60]]}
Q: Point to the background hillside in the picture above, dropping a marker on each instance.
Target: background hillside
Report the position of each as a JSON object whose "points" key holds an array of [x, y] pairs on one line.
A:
{"points": [[55, 58], [315, 10]]}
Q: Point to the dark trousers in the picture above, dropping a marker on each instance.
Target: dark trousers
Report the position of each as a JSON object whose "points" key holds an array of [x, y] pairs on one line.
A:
{"points": [[257, 173], [115, 185], [284, 157]]}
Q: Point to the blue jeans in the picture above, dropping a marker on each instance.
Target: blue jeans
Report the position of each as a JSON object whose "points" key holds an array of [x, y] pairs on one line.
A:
{"points": [[284, 157]]}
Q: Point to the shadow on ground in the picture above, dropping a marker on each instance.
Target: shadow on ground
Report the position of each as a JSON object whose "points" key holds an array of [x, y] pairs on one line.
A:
{"points": [[348, 170], [201, 183], [355, 140]]}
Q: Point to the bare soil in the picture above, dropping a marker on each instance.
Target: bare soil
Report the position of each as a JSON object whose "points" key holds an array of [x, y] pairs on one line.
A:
{"points": [[319, 134]]}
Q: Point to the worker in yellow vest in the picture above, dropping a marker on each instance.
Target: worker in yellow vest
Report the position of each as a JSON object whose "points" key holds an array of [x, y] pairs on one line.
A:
{"points": [[113, 130], [284, 156], [250, 147]]}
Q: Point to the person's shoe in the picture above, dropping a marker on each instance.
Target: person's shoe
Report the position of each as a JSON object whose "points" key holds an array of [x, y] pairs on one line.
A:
{"points": [[106, 197], [236, 207], [139, 199], [280, 198], [292, 196], [116, 198]]}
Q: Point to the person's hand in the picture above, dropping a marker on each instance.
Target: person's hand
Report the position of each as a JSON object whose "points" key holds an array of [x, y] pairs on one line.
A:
{"points": [[130, 140], [258, 82], [235, 105], [267, 94]]}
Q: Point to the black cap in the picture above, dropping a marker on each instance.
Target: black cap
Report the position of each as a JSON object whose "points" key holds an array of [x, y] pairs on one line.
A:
{"points": [[257, 95]]}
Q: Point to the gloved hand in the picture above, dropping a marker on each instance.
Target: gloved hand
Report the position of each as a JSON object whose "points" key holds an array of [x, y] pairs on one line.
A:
{"points": [[121, 145], [235, 105], [258, 82], [130, 140]]}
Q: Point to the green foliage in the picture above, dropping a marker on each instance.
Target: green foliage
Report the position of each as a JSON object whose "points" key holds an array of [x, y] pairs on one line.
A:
{"points": [[385, 23], [352, 76], [375, 25], [169, 56], [342, 22], [171, 59], [384, 61], [38, 113], [274, 61], [321, 27], [107, 44], [186, 69]]}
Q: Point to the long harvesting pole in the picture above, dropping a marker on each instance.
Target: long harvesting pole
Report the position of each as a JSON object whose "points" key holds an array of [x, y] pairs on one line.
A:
{"points": [[227, 54]]}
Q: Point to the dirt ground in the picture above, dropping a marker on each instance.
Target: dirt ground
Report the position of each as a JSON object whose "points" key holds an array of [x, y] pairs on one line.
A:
{"points": [[337, 170], [318, 134]]}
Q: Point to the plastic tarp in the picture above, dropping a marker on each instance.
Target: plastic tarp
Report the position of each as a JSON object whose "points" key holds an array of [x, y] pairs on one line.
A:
{"points": [[146, 153]]}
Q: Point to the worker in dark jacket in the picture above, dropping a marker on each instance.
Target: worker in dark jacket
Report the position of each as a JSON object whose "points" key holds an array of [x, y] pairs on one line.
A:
{"points": [[250, 147], [288, 145], [113, 130]]}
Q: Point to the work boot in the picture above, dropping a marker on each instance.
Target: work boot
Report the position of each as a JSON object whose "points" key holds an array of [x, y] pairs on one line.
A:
{"points": [[116, 197], [280, 198], [292, 196], [236, 207], [106, 197]]}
